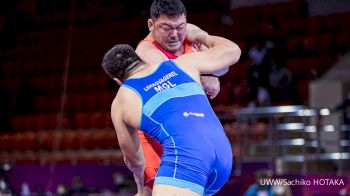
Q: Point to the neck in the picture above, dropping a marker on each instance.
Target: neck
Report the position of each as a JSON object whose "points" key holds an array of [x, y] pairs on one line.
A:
{"points": [[181, 51], [177, 52], [136, 69]]}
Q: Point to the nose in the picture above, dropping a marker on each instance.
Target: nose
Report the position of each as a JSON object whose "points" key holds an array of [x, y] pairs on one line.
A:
{"points": [[173, 33]]}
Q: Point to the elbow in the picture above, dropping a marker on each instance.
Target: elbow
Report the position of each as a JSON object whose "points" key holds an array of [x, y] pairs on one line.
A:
{"points": [[235, 53]]}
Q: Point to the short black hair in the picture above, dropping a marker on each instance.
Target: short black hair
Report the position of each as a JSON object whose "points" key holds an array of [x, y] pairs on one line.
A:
{"points": [[168, 7], [119, 60]]}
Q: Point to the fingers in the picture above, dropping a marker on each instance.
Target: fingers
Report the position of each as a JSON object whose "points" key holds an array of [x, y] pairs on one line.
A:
{"points": [[213, 93], [211, 85]]}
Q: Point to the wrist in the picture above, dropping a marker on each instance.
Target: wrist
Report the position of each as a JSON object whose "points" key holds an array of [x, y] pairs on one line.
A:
{"points": [[136, 168]]}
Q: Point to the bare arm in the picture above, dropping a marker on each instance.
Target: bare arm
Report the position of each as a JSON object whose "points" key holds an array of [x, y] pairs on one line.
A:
{"points": [[197, 35], [128, 141], [211, 84], [222, 53], [149, 53]]}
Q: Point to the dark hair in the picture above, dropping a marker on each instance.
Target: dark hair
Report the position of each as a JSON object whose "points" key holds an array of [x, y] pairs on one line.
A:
{"points": [[119, 60], [168, 7]]}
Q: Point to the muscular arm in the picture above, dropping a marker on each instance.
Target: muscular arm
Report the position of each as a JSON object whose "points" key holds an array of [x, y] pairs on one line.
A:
{"points": [[211, 84], [222, 53], [149, 53], [128, 140], [152, 55]]}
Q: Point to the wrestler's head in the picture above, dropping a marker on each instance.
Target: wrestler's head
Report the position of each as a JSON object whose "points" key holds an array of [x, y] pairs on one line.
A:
{"points": [[168, 24], [119, 61]]}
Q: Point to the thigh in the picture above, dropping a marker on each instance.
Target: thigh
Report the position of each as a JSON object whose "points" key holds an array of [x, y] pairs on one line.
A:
{"points": [[164, 189]]}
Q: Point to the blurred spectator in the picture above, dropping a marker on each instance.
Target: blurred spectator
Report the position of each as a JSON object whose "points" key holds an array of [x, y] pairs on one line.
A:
{"points": [[259, 50], [258, 93], [38, 191], [77, 187], [25, 95], [280, 78], [122, 184], [4, 188], [260, 187], [281, 190], [345, 191], [260, 98], [62, 190], [5, 105], [25, 191]]}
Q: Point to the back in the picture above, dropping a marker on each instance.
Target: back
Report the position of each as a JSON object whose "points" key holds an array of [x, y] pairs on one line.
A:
{"points": [[175, 108]]}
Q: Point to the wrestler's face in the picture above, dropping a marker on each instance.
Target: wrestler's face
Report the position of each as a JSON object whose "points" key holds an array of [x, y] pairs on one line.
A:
{"points": [[169, 31]]}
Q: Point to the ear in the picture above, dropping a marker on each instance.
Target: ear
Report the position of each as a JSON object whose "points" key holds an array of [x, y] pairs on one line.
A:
{"points": [[150, 24], [117, 81]]}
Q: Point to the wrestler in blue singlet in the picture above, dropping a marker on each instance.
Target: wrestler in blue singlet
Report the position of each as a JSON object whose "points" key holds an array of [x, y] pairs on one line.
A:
{"points": [[176, 112]]}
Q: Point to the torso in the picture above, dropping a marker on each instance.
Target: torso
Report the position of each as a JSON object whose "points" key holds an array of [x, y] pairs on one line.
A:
{"points": [[169, 88]]}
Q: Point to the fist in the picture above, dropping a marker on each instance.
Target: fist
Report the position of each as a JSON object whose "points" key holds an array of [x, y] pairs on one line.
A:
{"points": [[211, 85], [195, 34]]}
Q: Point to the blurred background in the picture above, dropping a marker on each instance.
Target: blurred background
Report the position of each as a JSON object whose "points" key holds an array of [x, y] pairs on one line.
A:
{"points": [[284, 105]]}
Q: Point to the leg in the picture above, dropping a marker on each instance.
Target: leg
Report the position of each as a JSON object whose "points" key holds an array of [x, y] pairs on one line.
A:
{"points": [[164, 189]]}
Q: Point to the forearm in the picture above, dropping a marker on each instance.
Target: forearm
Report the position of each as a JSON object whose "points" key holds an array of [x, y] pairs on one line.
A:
{"points": [[136, 164], [211, 40], [138, 171], [227, 51], [195, 34], [133, 155]]}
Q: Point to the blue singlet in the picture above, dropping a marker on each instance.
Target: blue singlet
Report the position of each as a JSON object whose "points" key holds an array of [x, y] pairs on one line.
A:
{"points": [[176, 112]]}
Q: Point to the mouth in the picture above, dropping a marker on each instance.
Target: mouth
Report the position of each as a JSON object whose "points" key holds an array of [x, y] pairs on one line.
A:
{"points": [[173, 43]]}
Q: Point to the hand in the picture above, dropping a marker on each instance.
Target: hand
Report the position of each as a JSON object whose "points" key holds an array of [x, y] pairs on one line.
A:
{"points": [[195, 34], [211, 85]]}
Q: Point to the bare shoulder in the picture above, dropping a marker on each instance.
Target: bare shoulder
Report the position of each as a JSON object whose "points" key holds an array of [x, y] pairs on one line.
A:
{"points": [[122, 97], [126, 105], [144, 45], [149, 53], [187, 62], [188, 59]]}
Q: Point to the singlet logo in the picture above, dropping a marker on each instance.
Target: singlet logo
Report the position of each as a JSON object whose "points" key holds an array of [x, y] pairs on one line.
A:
{"points": [[196, 114], [162, 83]]}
